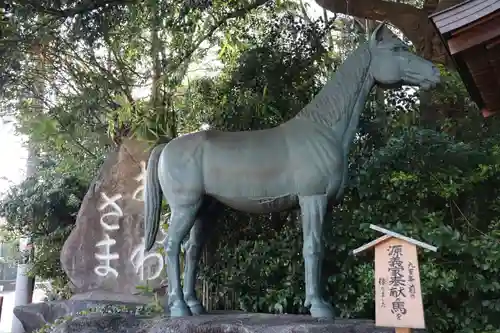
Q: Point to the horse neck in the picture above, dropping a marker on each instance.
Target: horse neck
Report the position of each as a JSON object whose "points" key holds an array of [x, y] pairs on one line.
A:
{"points": [[340, 102]]}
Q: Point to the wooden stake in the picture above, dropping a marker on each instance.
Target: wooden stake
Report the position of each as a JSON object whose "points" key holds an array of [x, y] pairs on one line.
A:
{"points": [[397, 304], [403, 330]]}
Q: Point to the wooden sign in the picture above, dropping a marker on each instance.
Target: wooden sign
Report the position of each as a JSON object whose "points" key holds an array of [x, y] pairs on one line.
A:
{"points": [[398, 297]]}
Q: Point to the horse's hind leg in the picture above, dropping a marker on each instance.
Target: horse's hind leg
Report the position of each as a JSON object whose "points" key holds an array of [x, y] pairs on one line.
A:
{"points": [[200, 232], [182, 219]]}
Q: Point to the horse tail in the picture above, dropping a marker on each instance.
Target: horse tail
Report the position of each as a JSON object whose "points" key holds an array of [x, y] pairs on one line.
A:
{"points": [[152, 198]]}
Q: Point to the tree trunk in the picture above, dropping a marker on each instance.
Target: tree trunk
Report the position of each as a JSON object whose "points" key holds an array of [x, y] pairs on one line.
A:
{"points": [[31, 165], [415, 25], [429, 112], [33, 153], [412, 21], [159, 102], [156, 93], [25, 285]]}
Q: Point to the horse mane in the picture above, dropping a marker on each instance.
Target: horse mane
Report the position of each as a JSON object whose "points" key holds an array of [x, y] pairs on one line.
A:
{"points": [[334, 101]]}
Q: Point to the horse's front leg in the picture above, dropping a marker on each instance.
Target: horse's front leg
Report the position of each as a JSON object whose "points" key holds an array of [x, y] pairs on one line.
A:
{"points": [[313, 209], [181, 221]]}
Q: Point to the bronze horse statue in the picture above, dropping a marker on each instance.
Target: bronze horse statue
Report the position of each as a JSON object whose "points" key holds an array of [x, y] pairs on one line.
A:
{"points": [[301, 163]]}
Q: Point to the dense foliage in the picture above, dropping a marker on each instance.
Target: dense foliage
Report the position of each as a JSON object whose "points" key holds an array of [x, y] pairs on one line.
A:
{"points": [[427, 184], [436, 181], [44, 207], [437, 185]]}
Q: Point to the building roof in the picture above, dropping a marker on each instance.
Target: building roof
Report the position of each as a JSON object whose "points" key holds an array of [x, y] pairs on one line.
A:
{"points": [[462, 14], [391, 234], [470, 32]]}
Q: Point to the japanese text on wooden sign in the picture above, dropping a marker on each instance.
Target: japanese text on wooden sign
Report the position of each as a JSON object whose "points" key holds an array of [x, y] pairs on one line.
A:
{"points": [[398, 299]]}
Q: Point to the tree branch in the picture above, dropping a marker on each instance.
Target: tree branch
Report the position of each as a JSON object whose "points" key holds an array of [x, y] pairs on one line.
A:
{"points": [[412, 21], [82, 8], [221, 22], [398, 14], [44, 101]]}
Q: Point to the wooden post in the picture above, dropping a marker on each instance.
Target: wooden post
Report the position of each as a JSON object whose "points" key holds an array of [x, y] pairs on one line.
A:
{"points": [[403, 330], [398, 297]]}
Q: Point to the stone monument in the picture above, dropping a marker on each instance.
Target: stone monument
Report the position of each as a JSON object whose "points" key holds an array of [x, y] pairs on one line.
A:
{"points": [[299, 164], [104, 254]]}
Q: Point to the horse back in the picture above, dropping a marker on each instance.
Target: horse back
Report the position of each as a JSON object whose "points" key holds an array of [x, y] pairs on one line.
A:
{"points": [[247, 163]]}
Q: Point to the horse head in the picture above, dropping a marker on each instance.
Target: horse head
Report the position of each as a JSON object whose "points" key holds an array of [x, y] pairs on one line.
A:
{"points": [[393, 65]]}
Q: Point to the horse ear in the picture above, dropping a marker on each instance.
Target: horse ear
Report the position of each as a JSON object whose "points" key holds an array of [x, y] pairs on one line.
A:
{"points": [[378, 33]]}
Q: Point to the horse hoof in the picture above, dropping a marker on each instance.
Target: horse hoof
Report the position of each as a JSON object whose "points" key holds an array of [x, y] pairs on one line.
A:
{"points": [[197, 309], [180, 310], [323, 311]]}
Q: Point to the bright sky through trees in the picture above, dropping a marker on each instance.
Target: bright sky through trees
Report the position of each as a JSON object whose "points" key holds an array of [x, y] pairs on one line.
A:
{"points": [[13, 156]]}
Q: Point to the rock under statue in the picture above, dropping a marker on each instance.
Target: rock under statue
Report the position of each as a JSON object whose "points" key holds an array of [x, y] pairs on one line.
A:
{"points": [[299, 164]]}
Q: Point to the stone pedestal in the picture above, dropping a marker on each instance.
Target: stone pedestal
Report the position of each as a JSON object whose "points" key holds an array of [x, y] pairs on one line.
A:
{"points": [[236, 322], [104, 296], [35, 315]]}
